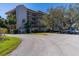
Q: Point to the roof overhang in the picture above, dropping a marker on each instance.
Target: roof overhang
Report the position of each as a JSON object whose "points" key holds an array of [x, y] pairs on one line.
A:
{"points": [[14, 10], [11, 11]]}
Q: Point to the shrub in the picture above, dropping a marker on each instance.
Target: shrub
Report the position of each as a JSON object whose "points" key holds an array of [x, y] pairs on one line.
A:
{"points": [[3, 30], [15, 31]]}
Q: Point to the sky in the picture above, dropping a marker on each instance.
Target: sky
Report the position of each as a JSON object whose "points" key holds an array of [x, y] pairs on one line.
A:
{"points": [[4, 7]]}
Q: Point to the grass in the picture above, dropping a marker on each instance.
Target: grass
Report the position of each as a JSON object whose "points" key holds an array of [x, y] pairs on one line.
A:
{"points": [[38, 33], [41, 33], [8, 45]]}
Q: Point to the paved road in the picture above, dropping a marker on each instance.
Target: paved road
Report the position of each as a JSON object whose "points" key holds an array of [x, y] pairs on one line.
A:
{"points": [[47, 45]]}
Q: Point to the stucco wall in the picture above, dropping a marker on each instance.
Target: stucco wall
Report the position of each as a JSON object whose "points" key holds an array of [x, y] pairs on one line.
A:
{"points": [[21, 15]]}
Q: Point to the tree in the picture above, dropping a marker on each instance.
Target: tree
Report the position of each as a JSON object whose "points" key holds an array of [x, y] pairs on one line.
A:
{"points": [[54, 19], [76, 8], [27, 26], [2, 23], [59, 18], [72, 15], [46, 21], [56, 16], [11, 22], [11, 19]]}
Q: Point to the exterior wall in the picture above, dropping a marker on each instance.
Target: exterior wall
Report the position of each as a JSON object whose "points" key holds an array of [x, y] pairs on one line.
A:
{"points": [[34, 18], [23, 14], [20, 17]]}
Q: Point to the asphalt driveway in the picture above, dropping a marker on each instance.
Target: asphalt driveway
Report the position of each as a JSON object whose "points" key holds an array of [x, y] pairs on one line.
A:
{"points": [[47, 45]]}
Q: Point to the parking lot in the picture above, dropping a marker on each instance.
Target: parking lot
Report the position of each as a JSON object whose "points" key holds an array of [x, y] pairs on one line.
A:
{"points": [[49, 44]]}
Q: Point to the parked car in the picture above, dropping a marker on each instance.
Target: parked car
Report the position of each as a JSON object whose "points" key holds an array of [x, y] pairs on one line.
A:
{"points": [[76, 31], [71, 31]]}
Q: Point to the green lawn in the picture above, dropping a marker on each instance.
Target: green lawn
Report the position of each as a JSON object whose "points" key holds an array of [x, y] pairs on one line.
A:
{"points": [[8, 45], [41, 33], [38, 33]]}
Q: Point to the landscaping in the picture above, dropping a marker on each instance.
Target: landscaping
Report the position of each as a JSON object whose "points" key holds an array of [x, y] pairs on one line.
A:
{"points": [[8, 44], [40, 33]]}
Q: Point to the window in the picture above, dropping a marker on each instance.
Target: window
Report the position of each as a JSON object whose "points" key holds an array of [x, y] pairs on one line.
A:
{"points": [[23, 21], [33, 18]]}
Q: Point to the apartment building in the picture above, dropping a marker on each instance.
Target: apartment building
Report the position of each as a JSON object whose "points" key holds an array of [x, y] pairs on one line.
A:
{"points": [[23, 15]]}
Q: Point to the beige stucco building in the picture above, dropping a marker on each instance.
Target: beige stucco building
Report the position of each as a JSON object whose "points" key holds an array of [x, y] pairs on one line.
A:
{"points": [[24, 14]]}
